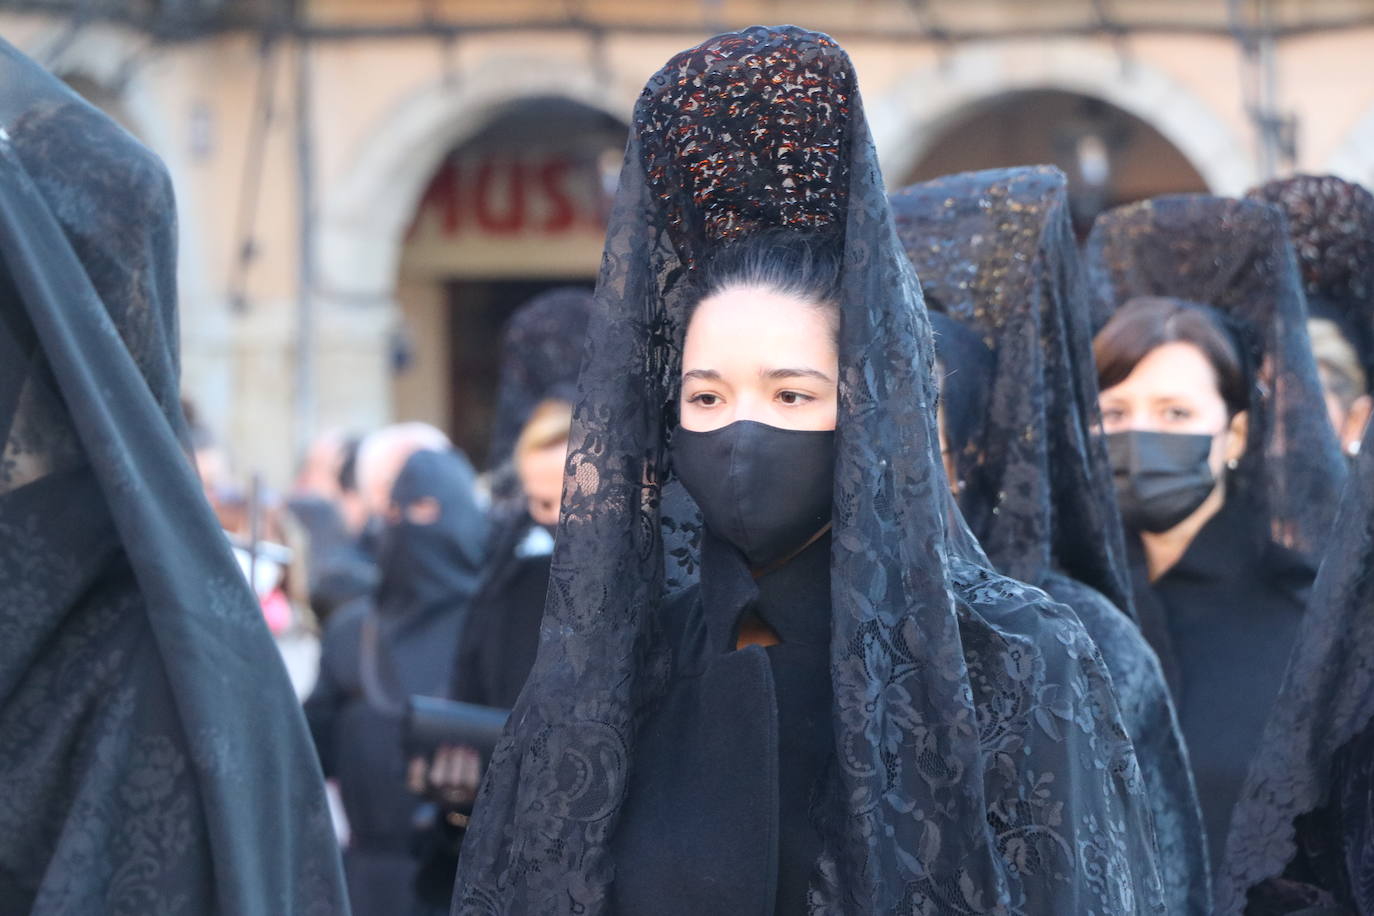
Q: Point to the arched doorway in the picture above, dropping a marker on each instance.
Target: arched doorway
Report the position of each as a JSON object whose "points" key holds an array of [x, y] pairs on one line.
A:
{"points": [[1111, 156], [515, 209]]}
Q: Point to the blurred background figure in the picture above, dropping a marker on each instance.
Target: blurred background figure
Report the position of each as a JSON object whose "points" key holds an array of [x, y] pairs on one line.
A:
{"points": [[318, 475], [502, 631], [541, 354], [1331, 223], [501, 636], [397, 642], [327, 506], [1345, 385]]}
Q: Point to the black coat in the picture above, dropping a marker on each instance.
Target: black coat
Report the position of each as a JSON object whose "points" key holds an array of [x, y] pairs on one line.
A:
{"points": [[720, 816], [382, 649], [360, 748], [501, 635], [1223, 620]]}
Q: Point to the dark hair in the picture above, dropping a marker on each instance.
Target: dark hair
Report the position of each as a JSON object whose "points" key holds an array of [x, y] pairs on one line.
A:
{"points": [[348, 464], [1148, 322], [806, 265]]}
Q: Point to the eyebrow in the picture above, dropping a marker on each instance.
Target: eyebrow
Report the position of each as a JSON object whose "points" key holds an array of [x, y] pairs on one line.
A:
{"points": [[801, 372], [711, 375], [704, 375]]}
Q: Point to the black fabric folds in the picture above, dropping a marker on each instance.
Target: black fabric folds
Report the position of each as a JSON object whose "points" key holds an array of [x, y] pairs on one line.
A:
{"points": [[981, 761], [1315, 752], [381, 650], [430, 571], [501, 636], [1234, 255], [997, 249], [152, 751]]}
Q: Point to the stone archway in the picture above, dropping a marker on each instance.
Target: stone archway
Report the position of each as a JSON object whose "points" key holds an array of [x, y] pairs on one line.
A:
{"points": [[915, 110], [366, 212], [365, 215]]}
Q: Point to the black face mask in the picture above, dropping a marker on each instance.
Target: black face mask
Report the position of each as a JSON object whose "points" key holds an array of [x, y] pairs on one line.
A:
{"points": [[763, 489], [1161, 478]]}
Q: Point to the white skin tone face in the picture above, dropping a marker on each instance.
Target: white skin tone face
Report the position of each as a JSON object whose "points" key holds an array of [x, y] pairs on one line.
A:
{"points": [[320, 474], [757, 354], [1174, 389], [1348, 422], [541, 477]]}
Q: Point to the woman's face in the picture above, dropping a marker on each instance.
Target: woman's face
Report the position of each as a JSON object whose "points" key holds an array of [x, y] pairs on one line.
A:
{"points": [[541, 477], [756, 354], [1174, 389]]}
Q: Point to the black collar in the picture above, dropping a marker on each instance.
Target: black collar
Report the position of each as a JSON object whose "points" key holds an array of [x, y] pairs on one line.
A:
{"points": [[794, 599], [1233, 546]]}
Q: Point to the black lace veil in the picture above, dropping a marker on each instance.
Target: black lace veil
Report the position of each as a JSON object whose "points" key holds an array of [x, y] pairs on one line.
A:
{"points": [[153, 753], [981, 762], [1234, 255], [1327, 700], [1331, 225], [541, 352], [996, 248]]}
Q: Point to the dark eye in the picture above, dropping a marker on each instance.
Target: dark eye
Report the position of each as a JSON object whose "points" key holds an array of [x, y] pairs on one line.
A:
{"points": [[794, 398], [703, 399], [1177, 414]]}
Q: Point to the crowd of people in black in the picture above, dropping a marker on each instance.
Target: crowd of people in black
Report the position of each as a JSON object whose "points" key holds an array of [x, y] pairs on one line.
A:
{"points": [[845, 551]]}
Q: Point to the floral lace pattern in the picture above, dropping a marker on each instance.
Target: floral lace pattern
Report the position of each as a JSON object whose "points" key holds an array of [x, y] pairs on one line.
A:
{"points": [[981, 762], [1325, 704], [154, 756], [997, 249]]}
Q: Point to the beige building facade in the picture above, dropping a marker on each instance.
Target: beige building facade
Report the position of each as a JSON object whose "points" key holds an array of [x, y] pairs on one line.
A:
{"points": [[363, 201]]}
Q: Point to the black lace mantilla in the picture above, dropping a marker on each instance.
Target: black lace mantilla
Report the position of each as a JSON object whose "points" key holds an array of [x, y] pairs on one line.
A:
{"points": [[1326, 703], [997, 249], [1234, 255], [982, 764]]}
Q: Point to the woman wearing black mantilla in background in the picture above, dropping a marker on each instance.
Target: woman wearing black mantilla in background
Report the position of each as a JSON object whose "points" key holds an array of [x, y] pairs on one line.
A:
{"points": [[965, 751], [1021, 434], [1227, 470]]}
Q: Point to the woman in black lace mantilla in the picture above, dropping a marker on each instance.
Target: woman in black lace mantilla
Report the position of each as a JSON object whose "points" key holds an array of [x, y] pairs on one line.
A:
{"points": [[687, 753]]}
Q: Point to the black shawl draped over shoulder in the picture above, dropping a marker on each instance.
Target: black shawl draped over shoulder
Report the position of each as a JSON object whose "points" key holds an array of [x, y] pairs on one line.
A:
{"points": [[981, 761], [997, 249], [152, 753], [1301, 830]]}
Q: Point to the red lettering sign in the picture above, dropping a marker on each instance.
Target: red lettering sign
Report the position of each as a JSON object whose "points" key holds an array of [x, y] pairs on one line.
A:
{"points": [[501, 195]]}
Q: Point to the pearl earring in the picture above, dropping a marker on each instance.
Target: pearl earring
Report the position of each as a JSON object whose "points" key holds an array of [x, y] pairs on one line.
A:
{"points": [[1232, 464]]}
